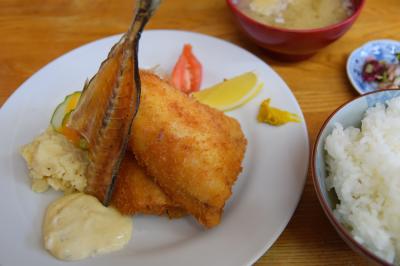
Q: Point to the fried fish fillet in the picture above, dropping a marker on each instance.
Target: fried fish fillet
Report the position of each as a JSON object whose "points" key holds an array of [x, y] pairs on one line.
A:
{"points": [[194, 152], [136, 192]]}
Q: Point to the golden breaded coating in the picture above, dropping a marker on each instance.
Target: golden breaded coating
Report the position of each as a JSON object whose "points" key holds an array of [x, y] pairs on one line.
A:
{"points": [[135, 192], [194, 152]]}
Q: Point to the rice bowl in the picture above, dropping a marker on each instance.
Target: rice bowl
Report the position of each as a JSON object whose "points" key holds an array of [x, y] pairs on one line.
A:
{"points": [[350, 114], [364, 166]]}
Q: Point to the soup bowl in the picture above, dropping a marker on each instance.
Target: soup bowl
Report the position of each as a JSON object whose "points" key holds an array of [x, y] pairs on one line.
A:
{"points": [[292, 44]]}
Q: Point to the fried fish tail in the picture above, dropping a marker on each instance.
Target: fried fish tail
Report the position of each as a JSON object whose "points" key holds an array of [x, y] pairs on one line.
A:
{"points": [[194, 152], [107, 106]]}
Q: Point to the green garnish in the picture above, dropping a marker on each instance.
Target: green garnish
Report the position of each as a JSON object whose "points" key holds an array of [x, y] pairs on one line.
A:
{"points": [[369, 68], [382, 78], [385, 76]]}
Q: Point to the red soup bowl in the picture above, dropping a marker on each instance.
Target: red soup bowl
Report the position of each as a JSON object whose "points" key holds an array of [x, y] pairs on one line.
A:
{"points": [[293, 44]]}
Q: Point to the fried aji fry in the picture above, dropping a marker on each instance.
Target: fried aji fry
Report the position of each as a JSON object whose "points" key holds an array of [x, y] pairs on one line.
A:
{"points": [[135, 192], [194, 152]]}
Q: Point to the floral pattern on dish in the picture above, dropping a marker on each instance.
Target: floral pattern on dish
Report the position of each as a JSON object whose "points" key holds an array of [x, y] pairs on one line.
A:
{"points": [[382, 50]]}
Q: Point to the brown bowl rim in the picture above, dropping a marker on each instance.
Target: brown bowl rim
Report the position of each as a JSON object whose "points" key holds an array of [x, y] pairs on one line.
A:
{"points": [[315, 30], [337, 225]]}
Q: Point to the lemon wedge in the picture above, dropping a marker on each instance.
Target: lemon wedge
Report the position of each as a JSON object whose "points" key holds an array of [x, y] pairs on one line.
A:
{"points": [[232, 93]]}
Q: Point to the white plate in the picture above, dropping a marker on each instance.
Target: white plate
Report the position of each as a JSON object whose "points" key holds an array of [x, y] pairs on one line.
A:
{"points": [[264, 198]]}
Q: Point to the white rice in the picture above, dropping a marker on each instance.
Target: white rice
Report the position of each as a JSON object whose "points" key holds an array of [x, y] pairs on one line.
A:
{"points": [[364, 170]]}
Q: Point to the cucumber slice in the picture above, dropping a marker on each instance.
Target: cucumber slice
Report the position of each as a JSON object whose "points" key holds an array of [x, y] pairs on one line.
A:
{"points": [[64, 109]]}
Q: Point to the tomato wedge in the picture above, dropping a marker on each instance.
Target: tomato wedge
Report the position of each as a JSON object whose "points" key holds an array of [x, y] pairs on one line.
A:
{"points": [[188, 72]]}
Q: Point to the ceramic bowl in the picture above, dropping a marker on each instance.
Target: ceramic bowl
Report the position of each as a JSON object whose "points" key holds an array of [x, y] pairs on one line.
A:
{"points": [[349, 114], [382, 50], [292, 45]]}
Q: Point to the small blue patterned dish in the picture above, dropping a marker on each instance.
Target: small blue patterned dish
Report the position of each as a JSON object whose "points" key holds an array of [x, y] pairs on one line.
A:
{"points": [[382, 50], [349, 114]]}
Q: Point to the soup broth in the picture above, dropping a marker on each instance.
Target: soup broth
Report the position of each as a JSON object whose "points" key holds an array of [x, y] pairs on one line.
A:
{"points": [[297, 14]]}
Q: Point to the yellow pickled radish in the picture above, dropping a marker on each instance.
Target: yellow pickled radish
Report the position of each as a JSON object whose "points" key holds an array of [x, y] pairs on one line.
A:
{"points": [[231, 93], [274, 116]]}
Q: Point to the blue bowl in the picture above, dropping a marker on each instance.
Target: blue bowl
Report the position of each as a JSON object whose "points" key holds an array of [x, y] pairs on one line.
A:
{"points": [[349, 114], [381, 50]]}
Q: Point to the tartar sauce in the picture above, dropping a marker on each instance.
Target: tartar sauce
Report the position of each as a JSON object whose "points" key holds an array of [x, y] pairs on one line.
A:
{"points": [[77, 226]]}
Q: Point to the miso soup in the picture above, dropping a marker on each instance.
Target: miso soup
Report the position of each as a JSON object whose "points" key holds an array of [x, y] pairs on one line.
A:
{"points": [[297, 14]]}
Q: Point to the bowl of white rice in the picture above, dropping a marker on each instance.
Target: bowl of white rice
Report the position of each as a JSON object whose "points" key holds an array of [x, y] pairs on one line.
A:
{"points": [[356, 172]]}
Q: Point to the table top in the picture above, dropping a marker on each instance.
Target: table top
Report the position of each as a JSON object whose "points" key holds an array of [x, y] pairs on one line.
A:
{"points": [[34, 32]]}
